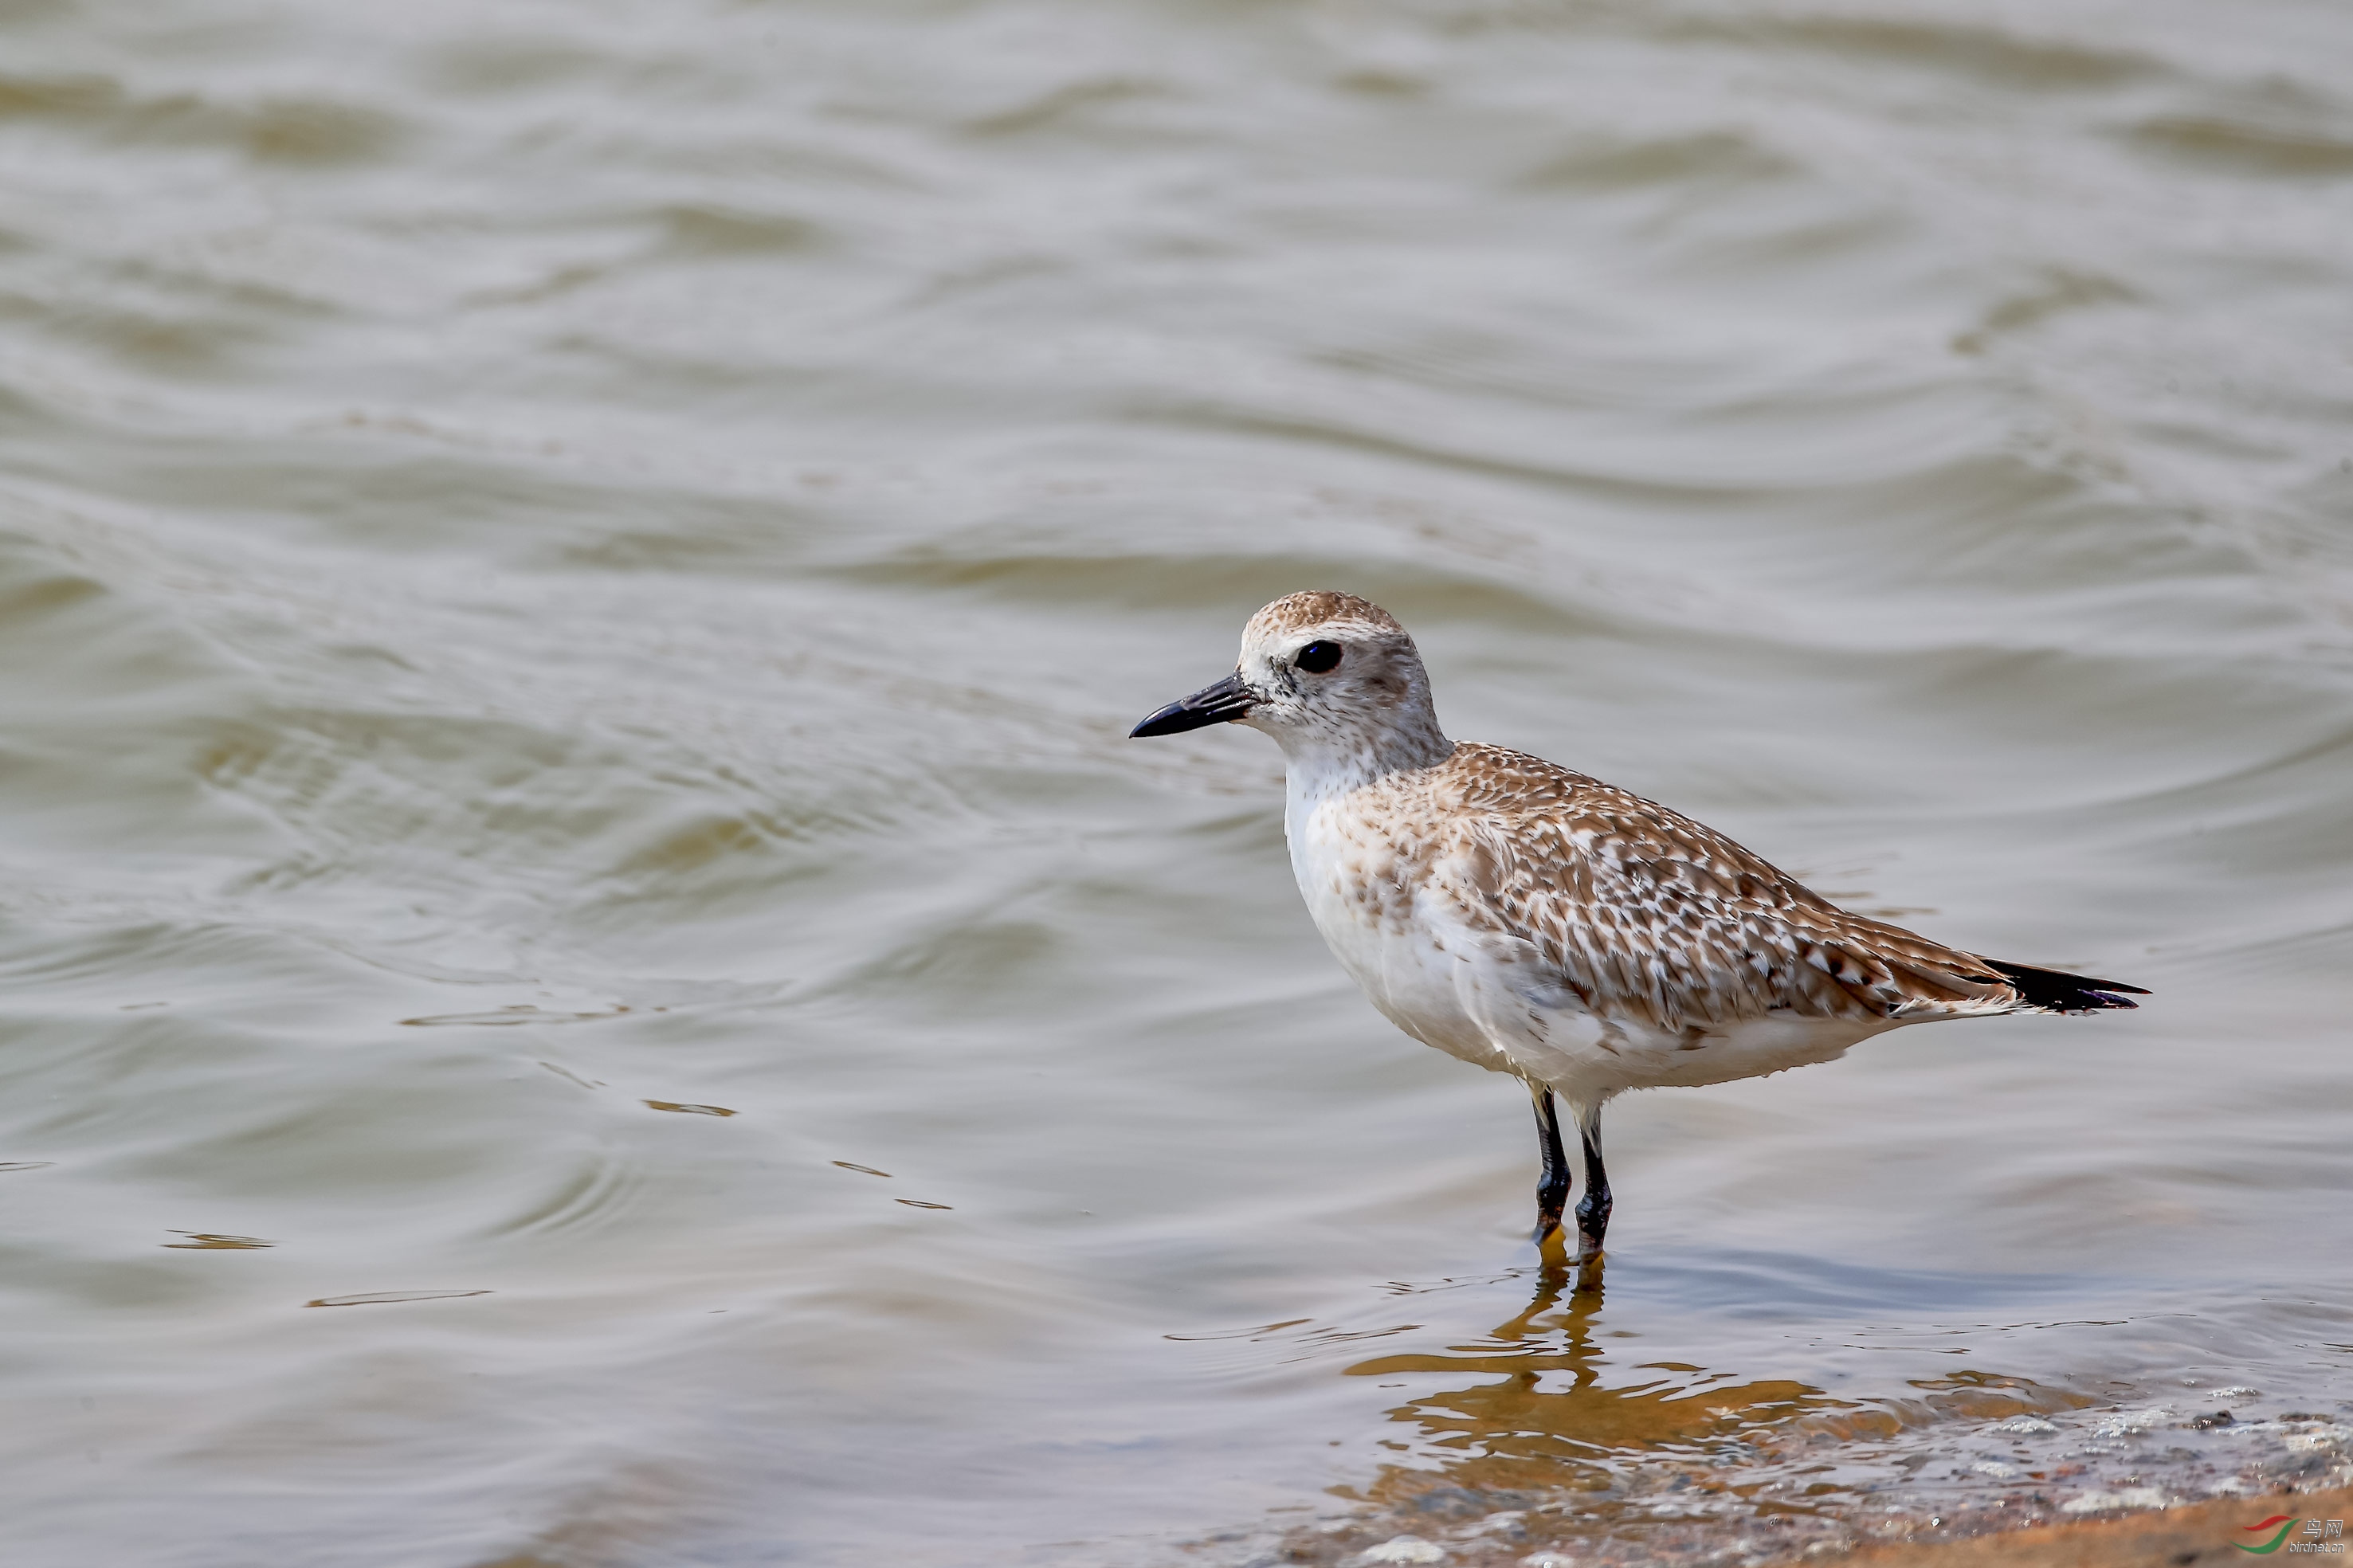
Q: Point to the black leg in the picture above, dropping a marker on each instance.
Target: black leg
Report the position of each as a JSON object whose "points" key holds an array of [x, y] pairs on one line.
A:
{"points": [[1552, 1187], [1593, 1208]]}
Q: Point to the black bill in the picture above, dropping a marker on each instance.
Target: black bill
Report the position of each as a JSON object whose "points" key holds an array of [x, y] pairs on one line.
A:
{"points": [[1227, 700]]}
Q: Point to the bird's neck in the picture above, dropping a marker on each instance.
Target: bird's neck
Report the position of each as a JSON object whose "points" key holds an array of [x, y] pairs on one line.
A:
{"points": [[1323, 763]]}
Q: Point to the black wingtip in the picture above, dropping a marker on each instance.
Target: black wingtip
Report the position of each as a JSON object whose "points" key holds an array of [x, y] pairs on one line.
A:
{"points": [[2056, 992]]}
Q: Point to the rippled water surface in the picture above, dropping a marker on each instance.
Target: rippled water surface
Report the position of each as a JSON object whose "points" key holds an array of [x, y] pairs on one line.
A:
{"points": [[591, 979]]}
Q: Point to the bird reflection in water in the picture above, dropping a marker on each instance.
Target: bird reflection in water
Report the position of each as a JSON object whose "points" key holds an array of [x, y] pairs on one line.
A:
{"points": [[1676, 1446], [1547, 1421]]}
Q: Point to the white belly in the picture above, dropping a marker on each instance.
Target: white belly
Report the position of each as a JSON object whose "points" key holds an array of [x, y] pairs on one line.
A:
{"points": [[1445, 986], [1419, 984]]}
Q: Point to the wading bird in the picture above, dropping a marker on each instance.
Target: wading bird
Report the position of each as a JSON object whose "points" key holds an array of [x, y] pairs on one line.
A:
{"points": [[1542, 923]]}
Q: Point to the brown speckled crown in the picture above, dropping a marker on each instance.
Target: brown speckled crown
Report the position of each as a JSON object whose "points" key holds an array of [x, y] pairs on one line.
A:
{"points": [[1295, 611]]}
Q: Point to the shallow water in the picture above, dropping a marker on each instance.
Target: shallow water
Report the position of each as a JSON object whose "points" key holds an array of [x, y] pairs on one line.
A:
{"points": [[574, 581]]}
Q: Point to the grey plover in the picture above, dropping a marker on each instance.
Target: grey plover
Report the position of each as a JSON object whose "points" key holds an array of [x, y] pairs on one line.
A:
{"points": [[1538, 922]]}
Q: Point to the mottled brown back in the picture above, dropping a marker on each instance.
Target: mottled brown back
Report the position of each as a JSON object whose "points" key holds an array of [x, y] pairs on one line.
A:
{"points": [[1651, 918]]}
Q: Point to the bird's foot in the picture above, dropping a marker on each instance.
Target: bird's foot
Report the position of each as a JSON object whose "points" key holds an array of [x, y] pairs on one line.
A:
{"points": [[1588, 1259]]}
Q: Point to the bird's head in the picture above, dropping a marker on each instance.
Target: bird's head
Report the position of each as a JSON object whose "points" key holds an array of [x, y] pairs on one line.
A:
{"points": [[1324, 674]]}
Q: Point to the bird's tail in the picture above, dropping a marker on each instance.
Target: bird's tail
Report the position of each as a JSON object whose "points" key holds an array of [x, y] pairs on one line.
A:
{"points": [[2051, 990]]}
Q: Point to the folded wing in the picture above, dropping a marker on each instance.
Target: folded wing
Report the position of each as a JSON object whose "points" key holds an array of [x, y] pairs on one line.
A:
{"points": [[1651, 918]]}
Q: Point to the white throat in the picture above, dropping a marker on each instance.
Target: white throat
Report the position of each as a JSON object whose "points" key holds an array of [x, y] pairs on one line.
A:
{"points": [[1322, 760]]}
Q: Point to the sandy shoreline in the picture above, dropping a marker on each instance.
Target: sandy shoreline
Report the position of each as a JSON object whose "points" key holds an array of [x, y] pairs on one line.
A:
{"points": [[2120, 1483], [2194, 1533], [2214, 1531]]}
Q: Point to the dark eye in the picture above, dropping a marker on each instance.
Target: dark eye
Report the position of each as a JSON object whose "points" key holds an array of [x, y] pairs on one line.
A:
{"points": [[1318, 656]]}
